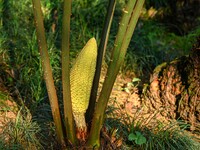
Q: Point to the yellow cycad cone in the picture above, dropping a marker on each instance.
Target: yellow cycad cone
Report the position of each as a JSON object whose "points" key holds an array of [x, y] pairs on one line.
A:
{"points": [[81, 78]]}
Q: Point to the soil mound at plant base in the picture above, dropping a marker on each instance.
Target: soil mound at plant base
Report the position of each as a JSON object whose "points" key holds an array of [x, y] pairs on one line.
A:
{"points": [[175, 87]]}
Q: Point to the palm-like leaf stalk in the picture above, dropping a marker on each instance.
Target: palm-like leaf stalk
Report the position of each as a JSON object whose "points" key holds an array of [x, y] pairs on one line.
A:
{"points": [[69, 121], [47, 70], [127, 25], [100, 56]]}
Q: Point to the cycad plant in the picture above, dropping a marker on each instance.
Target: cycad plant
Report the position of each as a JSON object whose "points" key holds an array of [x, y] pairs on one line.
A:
{"points": [[83, 112]]}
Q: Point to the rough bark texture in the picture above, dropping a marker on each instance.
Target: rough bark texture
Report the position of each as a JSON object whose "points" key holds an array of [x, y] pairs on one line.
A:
{"points": [[175, 88]]}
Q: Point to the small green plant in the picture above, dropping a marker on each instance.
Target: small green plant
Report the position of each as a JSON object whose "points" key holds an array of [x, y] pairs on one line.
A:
{"points": [[137, 137], [20, 132], [131, 85]]}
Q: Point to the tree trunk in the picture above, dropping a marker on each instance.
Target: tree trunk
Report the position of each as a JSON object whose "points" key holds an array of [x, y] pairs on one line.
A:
{"points": [[175, 88]]}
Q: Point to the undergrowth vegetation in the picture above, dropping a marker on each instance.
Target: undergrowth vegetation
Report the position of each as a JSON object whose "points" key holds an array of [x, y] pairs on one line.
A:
{"points": [[21, 133], [148, 133], [21, 70]]}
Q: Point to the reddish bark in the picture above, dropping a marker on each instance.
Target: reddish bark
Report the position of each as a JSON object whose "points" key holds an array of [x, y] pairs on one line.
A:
{"points": [[175, 87]]}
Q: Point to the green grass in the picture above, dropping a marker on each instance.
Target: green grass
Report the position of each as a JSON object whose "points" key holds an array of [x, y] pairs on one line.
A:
{"points": [[20, 133]]}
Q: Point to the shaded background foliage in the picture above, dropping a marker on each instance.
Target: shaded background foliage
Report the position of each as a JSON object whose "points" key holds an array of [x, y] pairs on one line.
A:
{"points": [[181, 16]]}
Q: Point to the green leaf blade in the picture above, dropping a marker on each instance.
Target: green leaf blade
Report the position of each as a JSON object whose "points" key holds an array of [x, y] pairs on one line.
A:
{"points": [[132, 137]]}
